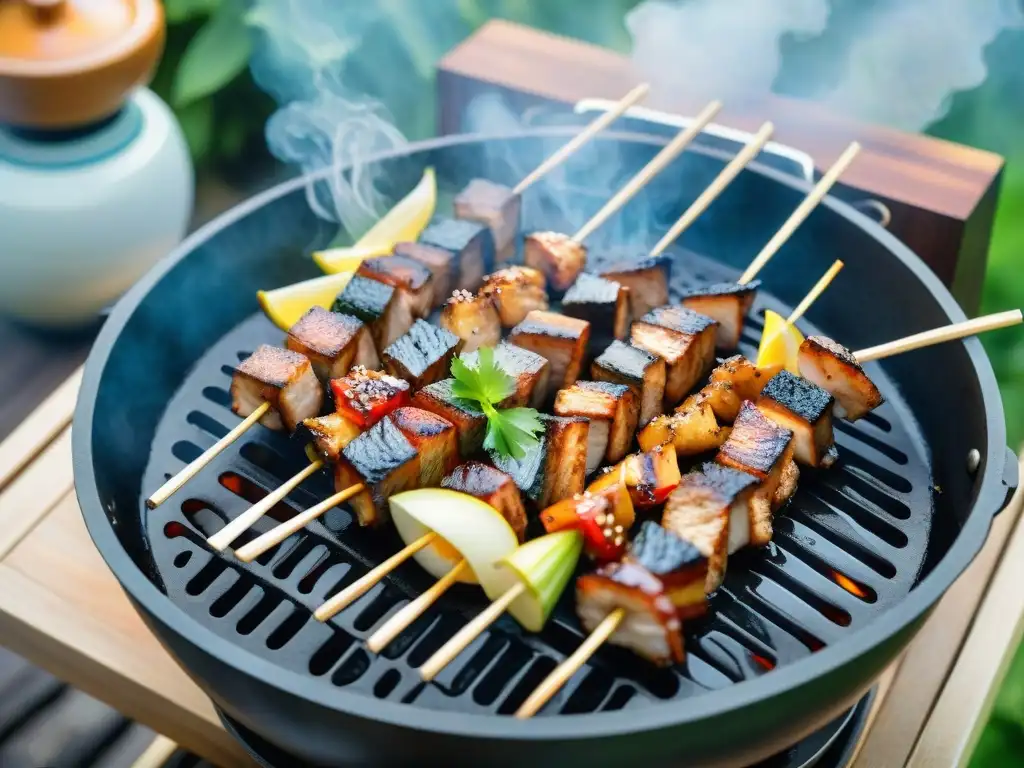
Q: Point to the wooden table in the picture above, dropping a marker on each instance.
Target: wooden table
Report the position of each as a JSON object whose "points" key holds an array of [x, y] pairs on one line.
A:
{"points": [[62, 609]]}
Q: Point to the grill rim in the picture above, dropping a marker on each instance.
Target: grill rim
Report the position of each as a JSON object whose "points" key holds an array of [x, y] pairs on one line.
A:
{"points": [[998, 479]]}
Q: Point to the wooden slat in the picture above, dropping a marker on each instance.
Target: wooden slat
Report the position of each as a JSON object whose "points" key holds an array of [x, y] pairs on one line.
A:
{"points": [[34, 492], [61, 608], [926, 664], [964, 706], [41, 427]]}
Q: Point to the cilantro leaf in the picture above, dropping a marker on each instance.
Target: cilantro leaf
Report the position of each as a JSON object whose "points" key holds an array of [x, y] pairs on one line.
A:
{"points": [[495, 384]]}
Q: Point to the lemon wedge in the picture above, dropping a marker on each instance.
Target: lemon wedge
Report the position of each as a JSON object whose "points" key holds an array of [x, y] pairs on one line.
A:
{"points": [[403, 223], [284, 306], [780, 343], [468, 528]]}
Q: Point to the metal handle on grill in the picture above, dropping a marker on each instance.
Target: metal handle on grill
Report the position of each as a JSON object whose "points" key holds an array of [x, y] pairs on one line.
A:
{"points": [[875, 210], [1011, 477], [796, 162]]}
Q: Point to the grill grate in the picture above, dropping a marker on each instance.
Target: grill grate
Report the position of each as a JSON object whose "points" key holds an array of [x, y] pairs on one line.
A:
{"points": [[850, 544]]}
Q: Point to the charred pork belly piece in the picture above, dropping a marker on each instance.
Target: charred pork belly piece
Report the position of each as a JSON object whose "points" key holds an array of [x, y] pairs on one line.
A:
{"points": [[805, 409], [684, 339], [333, 342], [558, 256], [496, 206], [651, 627], [602, 518], [613, 411], [529, 370], [561, 340], [680, 566], [441, 263], [601, 302], [556, 467], [493, 487], [760, 447], [471, 245], [435, 440], [638, 369], [647, 279], [386, 462], [711, 510], [472, 318], [692, 431], [833, 367], [330, 434], [365, 397], [282, 378], [423, 355], [376, 304], [650, 476], [728, 303], [413, 280], [470, 422], [515, 291]]}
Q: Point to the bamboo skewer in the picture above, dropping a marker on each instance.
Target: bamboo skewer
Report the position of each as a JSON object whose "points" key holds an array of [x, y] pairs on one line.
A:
{"points": [[940, 335], [394, 626], [171, 486], [280, 532], [358, 588], [561, 674], [815, 292], [649, 171], [716, 187], [802, 211], [222, 539], [595, 127], [461, 640]]}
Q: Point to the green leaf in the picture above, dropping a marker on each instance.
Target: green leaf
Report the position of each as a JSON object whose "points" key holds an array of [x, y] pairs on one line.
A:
{"points": [[196, 122], [215, 56], [524, 419], [495, 384], [180, 11]]}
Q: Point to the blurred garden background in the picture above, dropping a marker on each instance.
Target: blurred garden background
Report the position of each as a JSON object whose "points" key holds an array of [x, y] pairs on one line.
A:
{"points": [[207, 78]]}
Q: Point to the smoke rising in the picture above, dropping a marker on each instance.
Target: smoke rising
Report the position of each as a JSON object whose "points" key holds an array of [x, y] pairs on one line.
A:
{"points": [[897, 63]]}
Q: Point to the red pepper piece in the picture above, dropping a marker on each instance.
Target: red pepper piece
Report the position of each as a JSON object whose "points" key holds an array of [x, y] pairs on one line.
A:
{"points": [[365, 397], [604, 538]]}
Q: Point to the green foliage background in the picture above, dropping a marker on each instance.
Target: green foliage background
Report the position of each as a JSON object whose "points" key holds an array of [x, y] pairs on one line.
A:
{"points": [[204, 76]]}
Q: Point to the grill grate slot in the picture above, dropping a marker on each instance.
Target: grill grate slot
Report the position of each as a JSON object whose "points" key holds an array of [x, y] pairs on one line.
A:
{"points": [[852, 541]]}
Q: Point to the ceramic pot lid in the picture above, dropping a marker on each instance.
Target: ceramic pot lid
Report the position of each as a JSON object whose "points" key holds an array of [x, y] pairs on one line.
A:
{"points": [[67, 63]]}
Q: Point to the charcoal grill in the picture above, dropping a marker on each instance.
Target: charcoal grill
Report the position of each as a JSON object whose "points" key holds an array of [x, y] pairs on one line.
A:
{"points": [[796, 635]]}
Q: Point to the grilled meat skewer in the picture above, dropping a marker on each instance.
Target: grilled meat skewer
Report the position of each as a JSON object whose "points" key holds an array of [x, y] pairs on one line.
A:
{"points": [[515, 292], [561, 340], [495, 206], [472, 318], [833, 367], [377, 304], [413, 281], [333, 342], [613, 411], [492, 486], [557, 256], [423, 355], [805, 409], [601, 302], [282, 378], [638, 369], [684, 339]]}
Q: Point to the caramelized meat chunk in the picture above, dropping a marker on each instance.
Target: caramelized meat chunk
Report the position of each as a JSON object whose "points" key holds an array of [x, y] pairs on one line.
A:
{"points": [[495, 206], [333, 342], [558, 256], [613, 411], [561, 340], [423, 355], [330, 434], [515, 291], [646, 277], [601, 302], [435, 440], [727, 303], [684, 339], [471, 245], [441, 263], [833, 367], [413, 280], [638, 369], [470, 422], [472, 318], [282, 378], [493, 487], [377, 305], [555, 468], [677, 562], [805, 409], [386, 462]]}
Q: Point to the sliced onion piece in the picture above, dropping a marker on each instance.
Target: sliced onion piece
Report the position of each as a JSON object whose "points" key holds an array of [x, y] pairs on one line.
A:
{"points": [[468, 528], [545, 566]]}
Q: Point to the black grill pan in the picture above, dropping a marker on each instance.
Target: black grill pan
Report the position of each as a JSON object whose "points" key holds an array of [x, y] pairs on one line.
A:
{"points": [[797, 634]]}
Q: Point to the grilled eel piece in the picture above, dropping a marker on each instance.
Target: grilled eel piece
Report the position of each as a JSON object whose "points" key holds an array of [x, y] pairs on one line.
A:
{"points": [[470, 422], [613, 411], [471, 246], [282, 378], [728, 303], [805, 409], [443, 266], [515, 291], [376, 304], [601, 302], [472, 318], [833, 367], [413, 280], [684, 339], [409, 448], [330, 434], [495, 206], [557, 256], [423, 355], [646, 278], [556, 467], [529, 370], [711, 509], [333, 342], [493, 487], [638, 369], [693, 430], [659, 582], [559, 339], [763, 449]]}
